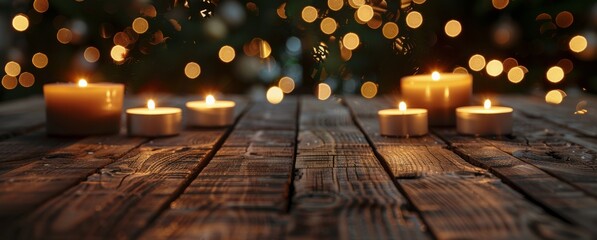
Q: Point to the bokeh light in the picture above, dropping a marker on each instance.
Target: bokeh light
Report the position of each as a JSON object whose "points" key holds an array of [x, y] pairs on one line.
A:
{"points": [[274, 95], [500, 4], [564, 19], [356, 3], [9, 82], [286, 84], [494, 68], [118, 53], [41, 6], [476, 62], [26, 79], [39, 60], [12, 69], [335, 5], [226, 54], [555, 96], [365, 13], [309, 14], [20, 22], [460, 70], [453, 28], [515, 75], [140, 25], [91, 54], [578, 43], [264, 49], [192, 70], [351, 41], [324, 91], [390, 30], [414, 19], [64, 35], [328, 25], [281, 11], [555, 74], [369, 89]]}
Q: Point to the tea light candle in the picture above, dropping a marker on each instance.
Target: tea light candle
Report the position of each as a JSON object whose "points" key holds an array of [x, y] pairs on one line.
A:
{"points": [[83, 108], [439, 93], [403, 122], [484, 120], [210, 113], [153, 121]]}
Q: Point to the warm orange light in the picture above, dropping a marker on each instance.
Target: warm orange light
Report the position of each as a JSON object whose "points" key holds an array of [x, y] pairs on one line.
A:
{"points": [[487, 104], [402, 106], [210, 100], [150, 104], [82, 83], [435, 76]]}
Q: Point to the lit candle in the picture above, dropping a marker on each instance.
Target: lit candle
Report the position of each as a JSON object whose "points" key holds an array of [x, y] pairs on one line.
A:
{"points": [[484, 120], [403, 122], [83, 108], [438, 93], [153, 121], [210, 113]]}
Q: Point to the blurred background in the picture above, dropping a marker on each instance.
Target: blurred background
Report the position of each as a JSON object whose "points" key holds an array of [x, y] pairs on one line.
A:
{"points": [[321, 47]]}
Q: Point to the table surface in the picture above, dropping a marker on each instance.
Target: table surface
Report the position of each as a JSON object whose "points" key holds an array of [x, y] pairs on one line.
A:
{"points": [[303, 169]]}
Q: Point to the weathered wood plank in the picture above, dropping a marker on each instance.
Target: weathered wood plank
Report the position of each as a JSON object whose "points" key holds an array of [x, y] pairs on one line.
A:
{"points": [[243, 192], [21, 116], [341, 190], [124, 196], [562, 114], [455, 199]]}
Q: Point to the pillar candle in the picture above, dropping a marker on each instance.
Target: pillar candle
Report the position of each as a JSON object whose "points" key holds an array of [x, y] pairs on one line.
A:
{"points": [[439, 93], [83, 108]]}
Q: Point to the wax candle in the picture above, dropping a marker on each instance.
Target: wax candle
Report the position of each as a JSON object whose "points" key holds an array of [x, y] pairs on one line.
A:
{"points": [[210, 113], [83, 108], [153, 121], [439, 93], [484, 120], [403, 122]]}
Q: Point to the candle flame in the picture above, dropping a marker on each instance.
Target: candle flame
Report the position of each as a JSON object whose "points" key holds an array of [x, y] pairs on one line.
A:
{"points": [[435, 76], [487, 104], [402, 106], [210, 99], [82, 82], [151, 104]]}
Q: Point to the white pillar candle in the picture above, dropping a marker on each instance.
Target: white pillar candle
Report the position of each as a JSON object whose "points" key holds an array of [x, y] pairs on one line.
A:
{"points": [[210, 113], [83, 108], [439, 93], [484, 120], [153, 121], [403, 122]]}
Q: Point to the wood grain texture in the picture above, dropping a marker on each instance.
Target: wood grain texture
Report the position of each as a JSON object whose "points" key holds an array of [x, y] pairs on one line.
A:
{"points": [[21, 116], [243, 192], [458, 200], [341, 190], [120, 199], [562, 114]]}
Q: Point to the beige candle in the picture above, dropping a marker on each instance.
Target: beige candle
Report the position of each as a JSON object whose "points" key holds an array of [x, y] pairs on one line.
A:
{"points": [[210, 113], [83, 108], [439, 93], [153, 121], [484, 120], [403, 122]]}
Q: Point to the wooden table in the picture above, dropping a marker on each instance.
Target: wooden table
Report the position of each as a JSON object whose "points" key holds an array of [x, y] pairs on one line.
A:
{"points": [[303, 169]]}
